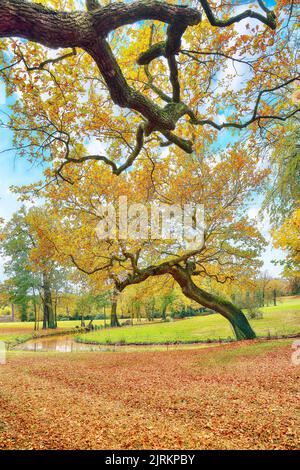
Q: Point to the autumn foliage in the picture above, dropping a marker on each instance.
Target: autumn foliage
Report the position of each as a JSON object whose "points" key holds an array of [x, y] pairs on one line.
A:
{"points": [[234, 398]]}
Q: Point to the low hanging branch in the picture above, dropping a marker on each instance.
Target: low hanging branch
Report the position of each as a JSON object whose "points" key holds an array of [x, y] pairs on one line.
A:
{"points": [[89, 30], [182, 270]]}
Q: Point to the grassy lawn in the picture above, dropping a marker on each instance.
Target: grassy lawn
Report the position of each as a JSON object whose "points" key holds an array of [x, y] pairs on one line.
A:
{"points": [[291, 304], [30, 325], [283, 319], [18, 332], [22, 331], [280, 320], [221, 397]]}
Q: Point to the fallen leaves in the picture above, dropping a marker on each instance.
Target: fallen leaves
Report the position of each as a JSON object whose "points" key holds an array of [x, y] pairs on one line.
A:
{"points": [[184, 399]]}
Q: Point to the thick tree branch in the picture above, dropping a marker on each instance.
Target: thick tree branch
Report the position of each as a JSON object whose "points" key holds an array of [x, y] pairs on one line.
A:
{"points": [[126, 96], [54, 28], [43, 25], [138, 276], [89, 29]]}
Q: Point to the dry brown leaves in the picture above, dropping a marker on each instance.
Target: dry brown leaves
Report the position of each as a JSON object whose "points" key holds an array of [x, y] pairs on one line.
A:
{"points": [[186, 399]]}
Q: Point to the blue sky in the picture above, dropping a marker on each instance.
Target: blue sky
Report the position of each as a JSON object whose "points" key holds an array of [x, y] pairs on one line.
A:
{"points": [[13, 170], [16, 171]]}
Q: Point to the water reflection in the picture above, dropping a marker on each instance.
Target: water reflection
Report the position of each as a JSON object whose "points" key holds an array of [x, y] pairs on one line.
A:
{"points": [[60, 343], [67, 344]]}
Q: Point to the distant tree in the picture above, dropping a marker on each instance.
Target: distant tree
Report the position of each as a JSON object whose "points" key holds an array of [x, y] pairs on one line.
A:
{"points": [[103, 301], [84, 307], [294, 285], [167, 300], [287, 237], [283, 192], [30, 277], [16, 243], [149, 306], [263, 281], [283, 196]]}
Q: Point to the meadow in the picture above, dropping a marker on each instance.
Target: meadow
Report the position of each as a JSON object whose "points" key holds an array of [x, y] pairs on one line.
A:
{"points": [[187, 396], [280, 320], [18, 332], [283, 319]]}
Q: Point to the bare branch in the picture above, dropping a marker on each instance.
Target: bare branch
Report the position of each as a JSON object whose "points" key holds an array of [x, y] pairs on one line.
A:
{"points": [[115, 169], [269, 20], [255, 116]]}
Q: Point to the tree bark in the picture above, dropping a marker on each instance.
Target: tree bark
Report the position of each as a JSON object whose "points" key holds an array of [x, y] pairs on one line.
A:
{"points": [[36, 323], [104, 314], [233, 314], [114, 317], [45, 316], [55, 28], [12, 312], [49, 317], [88, 30]]}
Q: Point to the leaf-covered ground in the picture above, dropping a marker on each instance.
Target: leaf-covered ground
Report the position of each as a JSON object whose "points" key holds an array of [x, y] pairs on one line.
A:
{"points": [[235, 396]]}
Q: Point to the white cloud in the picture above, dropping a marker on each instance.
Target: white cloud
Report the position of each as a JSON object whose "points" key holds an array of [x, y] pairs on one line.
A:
{"points": [[94, 147]]}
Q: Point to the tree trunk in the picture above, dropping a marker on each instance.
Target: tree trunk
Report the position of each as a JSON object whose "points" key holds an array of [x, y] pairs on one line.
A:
{"points": [[114, 318], [104, 313], [91, 325], [233, 314], [138, 314], [36, 323], [45, 316], [12, 312], [49, 317], [55, 310]]}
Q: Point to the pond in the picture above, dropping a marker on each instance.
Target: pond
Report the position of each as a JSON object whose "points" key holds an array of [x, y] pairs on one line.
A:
{"points": [[67, 344], [62, 343]]}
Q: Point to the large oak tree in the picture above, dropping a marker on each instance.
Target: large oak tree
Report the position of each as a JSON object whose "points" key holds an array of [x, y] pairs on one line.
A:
{"points": [[135, 78], [131, 74], [232, 242]]}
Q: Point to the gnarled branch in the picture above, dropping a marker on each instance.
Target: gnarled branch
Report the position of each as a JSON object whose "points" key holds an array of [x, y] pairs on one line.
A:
{"points": [[88, 30]]}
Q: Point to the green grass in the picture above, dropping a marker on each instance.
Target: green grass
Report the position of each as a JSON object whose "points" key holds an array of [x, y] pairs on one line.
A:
{"points": [[291, 304], [68, 324], [19, 332], [283, 319], [12, 339], [30, 324]]}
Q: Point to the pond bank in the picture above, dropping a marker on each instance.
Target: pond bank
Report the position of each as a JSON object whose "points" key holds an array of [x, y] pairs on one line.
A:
{"points": [[67, 343]]}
